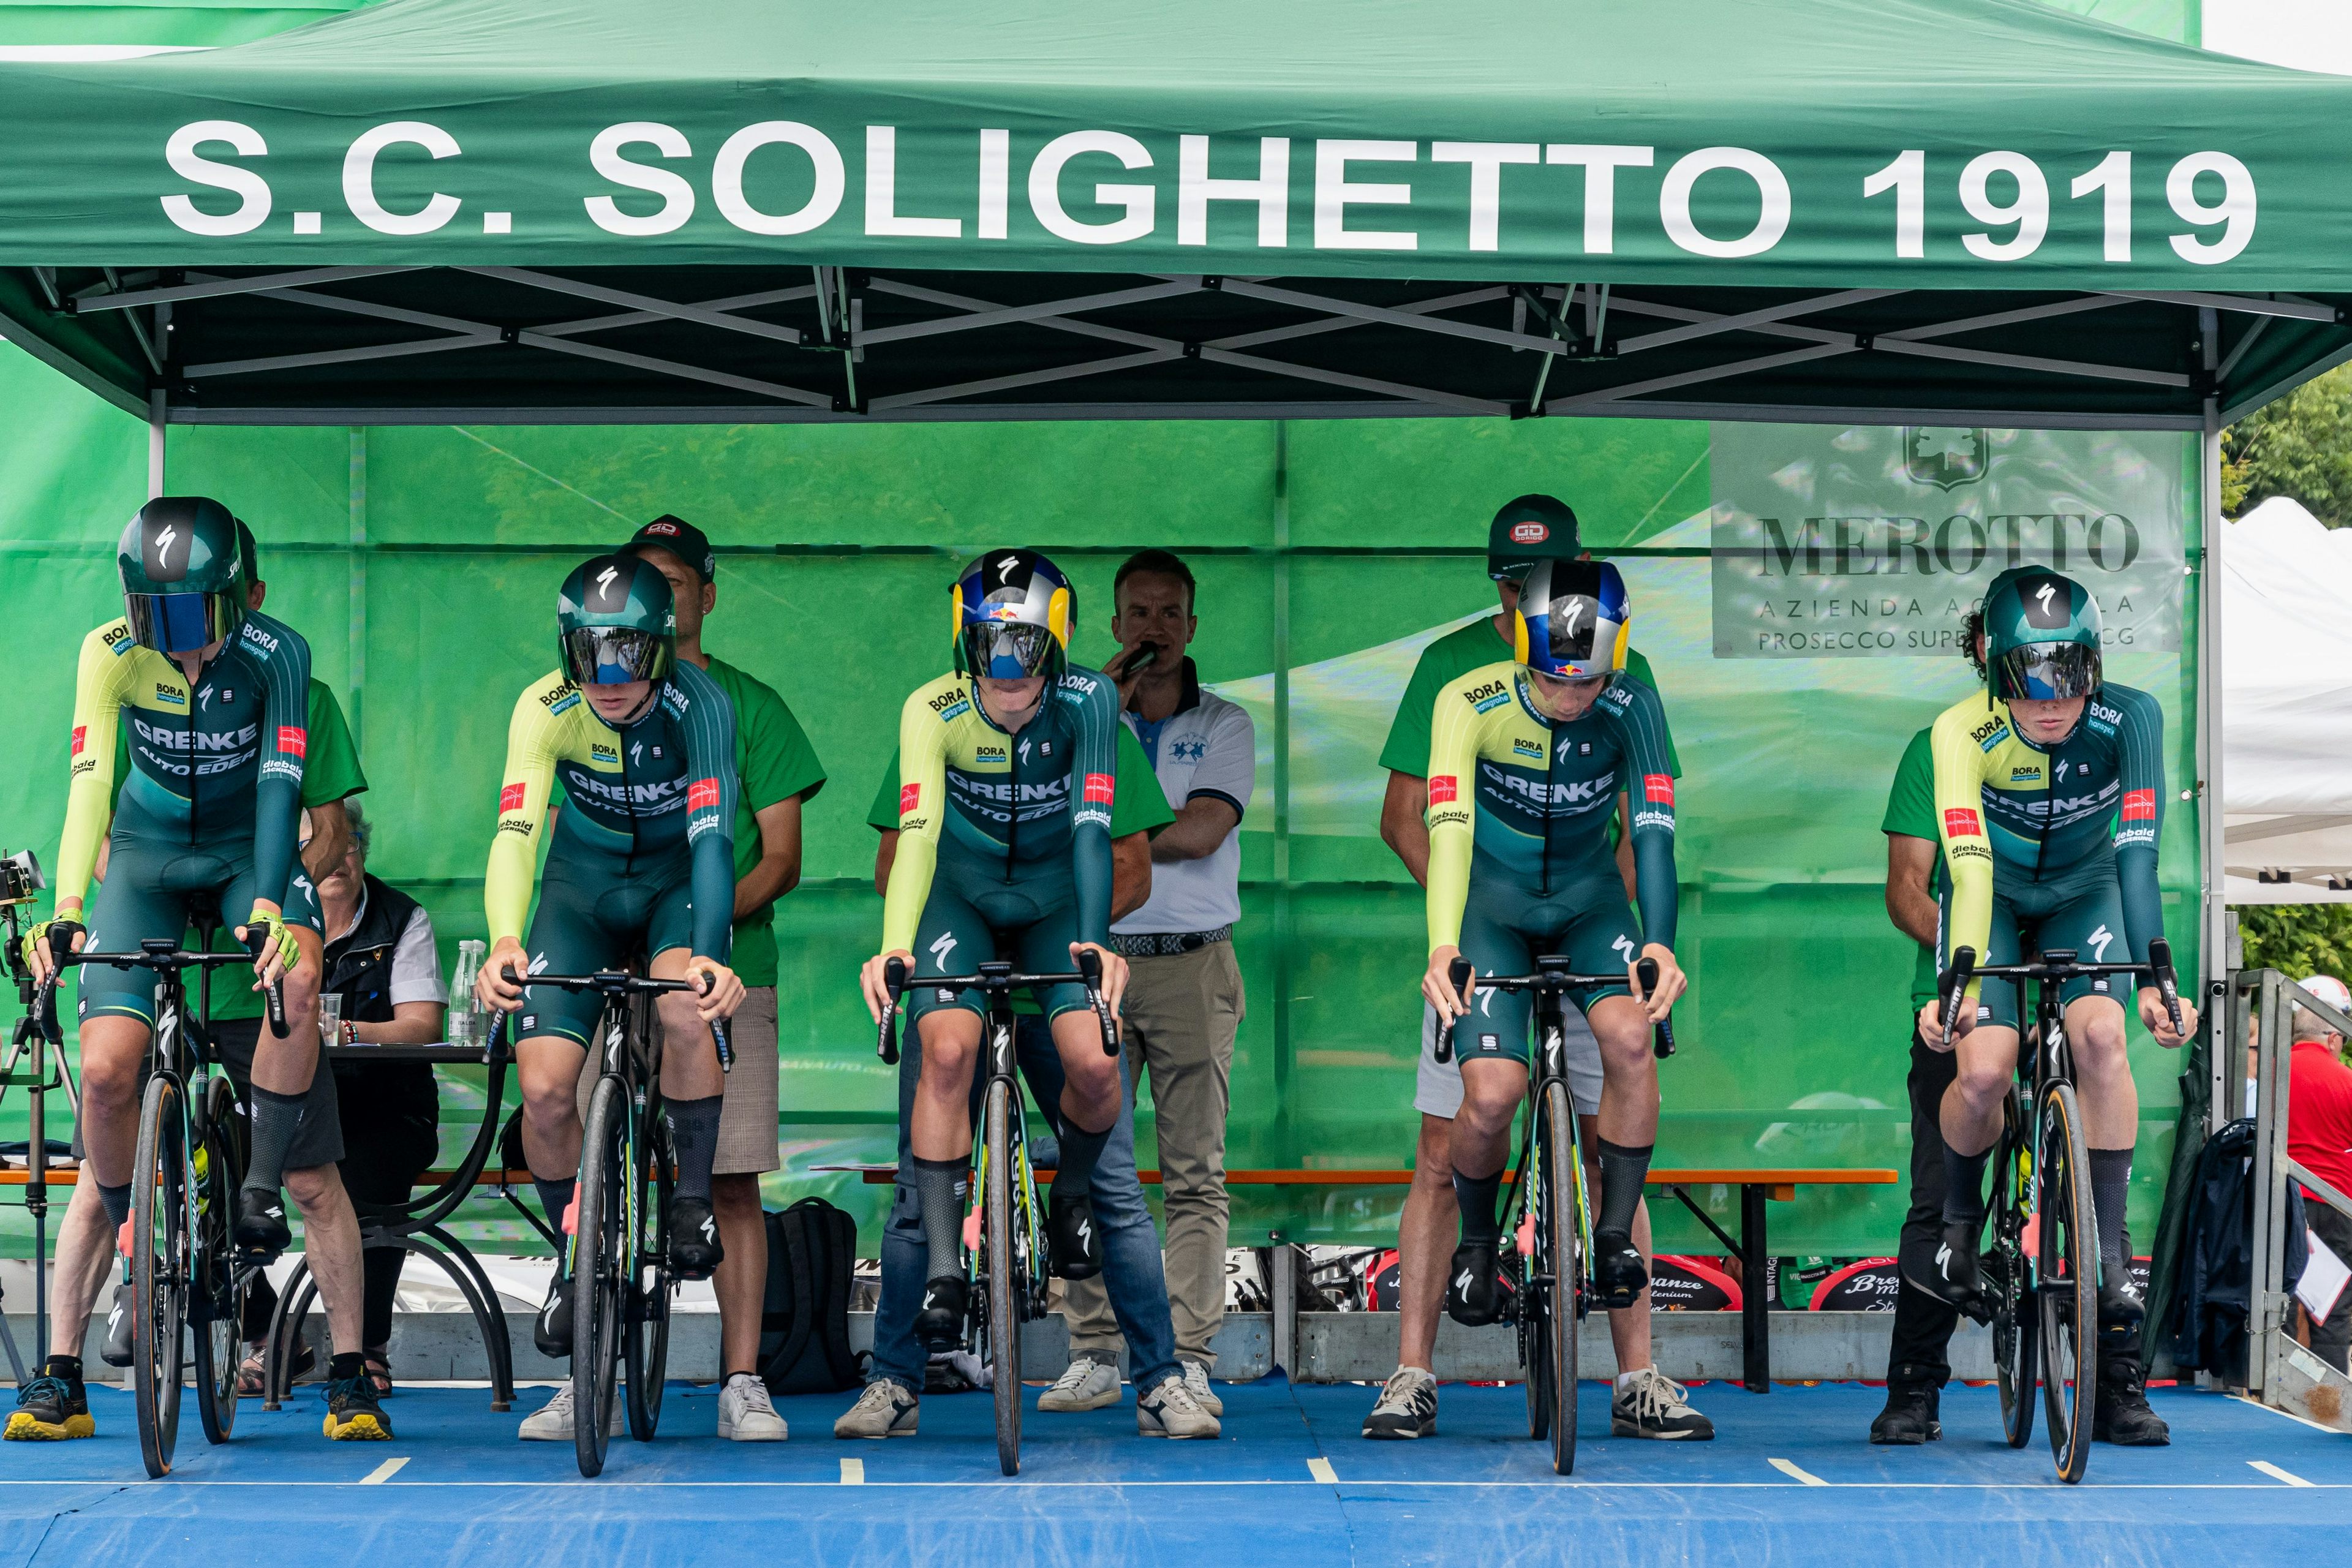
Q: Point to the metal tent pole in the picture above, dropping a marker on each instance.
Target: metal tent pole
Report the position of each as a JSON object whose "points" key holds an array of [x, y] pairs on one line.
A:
{"points": [[2212, 950], [157, 408]]}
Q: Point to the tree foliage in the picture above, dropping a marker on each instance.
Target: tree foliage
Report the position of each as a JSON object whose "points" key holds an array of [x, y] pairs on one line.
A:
{"points": [[2298, 940], [2298, 445]]}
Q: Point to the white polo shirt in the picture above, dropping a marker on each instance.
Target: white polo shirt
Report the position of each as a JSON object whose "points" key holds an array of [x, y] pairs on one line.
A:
{"points": [[1207, 747]]}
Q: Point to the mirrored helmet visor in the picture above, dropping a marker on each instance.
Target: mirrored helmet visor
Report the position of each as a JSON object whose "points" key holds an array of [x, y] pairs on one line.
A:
{"points": [[181, 622], [2044, 672], [1008, 650], [611, 656]]}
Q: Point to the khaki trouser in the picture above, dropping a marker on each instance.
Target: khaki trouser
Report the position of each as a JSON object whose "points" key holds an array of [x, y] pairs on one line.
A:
{"points": [[1181, 1013]]}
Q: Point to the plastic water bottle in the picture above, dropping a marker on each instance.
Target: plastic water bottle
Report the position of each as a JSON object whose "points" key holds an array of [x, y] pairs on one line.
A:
{"points": [[465, 1013]]}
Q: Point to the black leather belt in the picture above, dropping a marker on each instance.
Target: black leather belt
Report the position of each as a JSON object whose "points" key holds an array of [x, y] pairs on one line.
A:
{"points": [[1163, 944]]}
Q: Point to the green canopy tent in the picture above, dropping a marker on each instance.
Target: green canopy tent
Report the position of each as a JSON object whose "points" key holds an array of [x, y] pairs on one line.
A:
{"points": [[600, 210]]}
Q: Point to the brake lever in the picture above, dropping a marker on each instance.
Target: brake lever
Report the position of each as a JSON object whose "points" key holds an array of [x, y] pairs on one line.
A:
{"points": [[1661, 1034], [894, 980], [274, 991], [1090, 970], [1956, 987], [2167, 983], [1457, 976]]}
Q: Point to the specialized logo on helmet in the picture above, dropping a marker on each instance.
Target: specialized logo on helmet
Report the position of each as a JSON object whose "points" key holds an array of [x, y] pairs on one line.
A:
{"points": [[1944, 455], [604, 581], [1530, 533], [1568, 617], [163, 546]]}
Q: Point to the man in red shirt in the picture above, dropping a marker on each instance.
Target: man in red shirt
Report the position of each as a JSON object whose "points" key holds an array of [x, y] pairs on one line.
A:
{"points": [[2319, 1139]]}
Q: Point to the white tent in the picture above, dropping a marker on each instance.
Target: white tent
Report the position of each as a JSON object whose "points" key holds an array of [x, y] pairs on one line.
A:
{"points": [[2286, 662]]}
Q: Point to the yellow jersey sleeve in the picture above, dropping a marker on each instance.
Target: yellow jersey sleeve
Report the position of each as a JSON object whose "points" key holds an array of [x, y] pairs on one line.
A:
{"points": [[1455, 729], [89, 794], [1963, 736], [923, 739], [533, 744]]}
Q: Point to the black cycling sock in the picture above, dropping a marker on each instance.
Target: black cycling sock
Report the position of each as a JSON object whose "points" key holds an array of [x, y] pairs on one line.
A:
{"points": [[1475, 1195], [694, 1135], [276, 1119], [347, 1365], [2110, 1182], [942, 1186], [554, 1197], [66, 1366], [1964, 1175], [1074, 1175], [117, 1201], [1622, 1171]]}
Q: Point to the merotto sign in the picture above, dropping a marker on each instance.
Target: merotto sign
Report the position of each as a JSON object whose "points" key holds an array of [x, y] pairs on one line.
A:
{"points": [[1878, 541]]}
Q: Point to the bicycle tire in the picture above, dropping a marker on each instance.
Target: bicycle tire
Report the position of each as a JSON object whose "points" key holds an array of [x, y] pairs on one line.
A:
{"points": [[159, 1250], [645, 1346], [2068, 1282], [599, 1295], [1002, 1264], [1526, 1313], [2009, 1273], [1561, 1240], [217, 1304]]}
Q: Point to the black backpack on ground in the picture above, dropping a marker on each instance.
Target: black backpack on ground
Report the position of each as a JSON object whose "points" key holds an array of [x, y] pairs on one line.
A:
{"points": [[805, 1321]]}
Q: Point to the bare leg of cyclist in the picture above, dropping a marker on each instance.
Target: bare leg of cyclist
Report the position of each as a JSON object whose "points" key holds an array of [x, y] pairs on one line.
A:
{"points": [[1426, 1233], [331, 1245], [547, 1067], [85, 1259]]}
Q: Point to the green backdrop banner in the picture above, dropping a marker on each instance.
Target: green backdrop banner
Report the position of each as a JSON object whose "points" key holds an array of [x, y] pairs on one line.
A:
{"points": [[422, 563]]}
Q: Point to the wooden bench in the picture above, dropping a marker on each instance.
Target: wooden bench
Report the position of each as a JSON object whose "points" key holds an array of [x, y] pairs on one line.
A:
{"points": [[1751, 1246]]}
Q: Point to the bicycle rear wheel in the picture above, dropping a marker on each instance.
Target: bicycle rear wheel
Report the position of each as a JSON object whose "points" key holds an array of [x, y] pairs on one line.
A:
{"points": [[1560, 1273], [159, 1269], [1002, 1264], [216, 1300], [600, 1285], [2009, 1273], [2068, 1282], [644, 1347]]}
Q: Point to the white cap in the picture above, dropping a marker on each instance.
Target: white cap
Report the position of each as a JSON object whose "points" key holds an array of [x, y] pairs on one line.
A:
{"points": [[2330, 990]]}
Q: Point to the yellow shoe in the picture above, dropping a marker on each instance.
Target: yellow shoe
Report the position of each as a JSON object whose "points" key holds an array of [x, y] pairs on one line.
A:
{"points": [[50, 1410], [352, 1414]]}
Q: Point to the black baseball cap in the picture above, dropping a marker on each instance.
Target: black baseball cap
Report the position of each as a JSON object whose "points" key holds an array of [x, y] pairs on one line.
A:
{"points": [[681, 539], [1529, 529]]}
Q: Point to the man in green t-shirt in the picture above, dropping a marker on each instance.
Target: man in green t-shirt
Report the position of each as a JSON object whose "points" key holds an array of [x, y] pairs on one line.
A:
{"points": [[1917, 1361], [779, 773], [1526, 529]]}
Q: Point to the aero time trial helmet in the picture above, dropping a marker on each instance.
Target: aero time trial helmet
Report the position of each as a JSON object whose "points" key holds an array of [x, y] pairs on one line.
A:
{"points": [[183, 578], [2042, 635], [1573, 619], [614, 623], [1015, 612]]}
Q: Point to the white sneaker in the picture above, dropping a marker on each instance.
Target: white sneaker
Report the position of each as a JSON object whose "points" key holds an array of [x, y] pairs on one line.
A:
{"points": [[1090, 1385], [554, 1423], [886, 1409], [1196, 1383], [1167, 1410], [1407, 1407], [745, 1413]]}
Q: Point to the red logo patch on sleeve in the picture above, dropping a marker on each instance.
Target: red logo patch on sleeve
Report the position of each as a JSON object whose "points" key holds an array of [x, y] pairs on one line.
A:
{"points": [[1442, 790], [2139, 806], [910, 796], [1960, 822], [1658, 789], [1098, 789], [293, 742], [81, 733], [702, 795], [511, 798]]}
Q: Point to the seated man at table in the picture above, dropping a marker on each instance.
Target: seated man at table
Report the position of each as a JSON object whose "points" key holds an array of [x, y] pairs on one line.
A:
{"points": [[382, 960]]}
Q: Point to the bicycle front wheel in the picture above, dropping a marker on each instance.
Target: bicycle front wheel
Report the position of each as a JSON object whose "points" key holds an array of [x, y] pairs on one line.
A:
{"points": [[216, 1300], [1002, 1264], [600, 1284], [159, 1269], [644, 1348], [2068, 1282], [2009, 1273], [1560, 1252]]}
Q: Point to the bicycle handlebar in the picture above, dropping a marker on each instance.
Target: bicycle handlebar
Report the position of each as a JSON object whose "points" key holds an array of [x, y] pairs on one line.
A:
{"points": [[274, 991], [1550, 979], [158, 954], [997, 979], [2059, 963], [612, 984]]}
